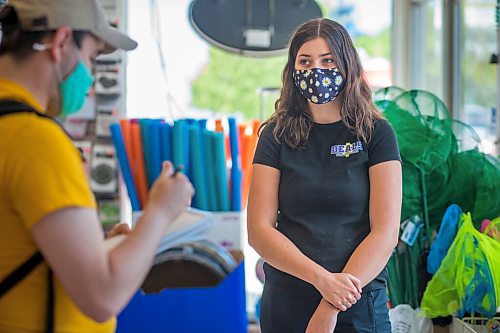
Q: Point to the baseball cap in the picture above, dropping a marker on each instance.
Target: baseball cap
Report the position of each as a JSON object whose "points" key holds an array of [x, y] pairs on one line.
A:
{"points": [[80, 15]]}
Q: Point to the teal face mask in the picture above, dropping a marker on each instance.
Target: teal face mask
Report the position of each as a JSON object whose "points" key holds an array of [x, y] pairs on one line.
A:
{"points": [[74, 89]]}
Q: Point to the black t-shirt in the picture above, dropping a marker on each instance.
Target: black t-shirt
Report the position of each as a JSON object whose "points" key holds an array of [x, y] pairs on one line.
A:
{"points": [[324, 192]]}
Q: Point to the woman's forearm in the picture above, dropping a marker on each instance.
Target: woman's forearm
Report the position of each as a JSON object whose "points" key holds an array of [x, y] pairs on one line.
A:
{"points": [[281, 253], [371, 256], [367, 261]]}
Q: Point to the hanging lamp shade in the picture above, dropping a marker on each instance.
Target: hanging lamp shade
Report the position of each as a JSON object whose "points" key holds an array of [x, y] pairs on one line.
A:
{"points": [[256, 28]]}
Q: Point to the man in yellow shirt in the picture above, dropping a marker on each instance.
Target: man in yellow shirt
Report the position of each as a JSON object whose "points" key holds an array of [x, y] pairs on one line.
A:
{"points": [[46, 50]]}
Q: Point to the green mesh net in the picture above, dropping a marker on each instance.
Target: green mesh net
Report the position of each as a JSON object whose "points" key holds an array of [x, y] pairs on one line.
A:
{"points": [[443, 164], [423, 128]]}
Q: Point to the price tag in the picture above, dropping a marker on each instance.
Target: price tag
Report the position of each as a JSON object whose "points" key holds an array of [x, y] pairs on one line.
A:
{"points": [[411, 230]]}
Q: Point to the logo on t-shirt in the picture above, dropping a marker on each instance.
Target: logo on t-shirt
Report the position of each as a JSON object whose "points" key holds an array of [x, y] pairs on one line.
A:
{"points": [[347, 150]]}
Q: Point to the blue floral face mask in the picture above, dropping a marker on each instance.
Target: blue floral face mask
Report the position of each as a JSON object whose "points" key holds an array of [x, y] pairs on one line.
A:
{"points": [[319, 85]]}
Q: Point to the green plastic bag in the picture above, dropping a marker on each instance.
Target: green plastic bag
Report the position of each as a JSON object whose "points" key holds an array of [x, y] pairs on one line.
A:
{"points": [[468, 280]]}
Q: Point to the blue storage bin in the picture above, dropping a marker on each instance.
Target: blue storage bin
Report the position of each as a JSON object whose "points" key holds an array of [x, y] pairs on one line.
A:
{"points": [[218, 309]]}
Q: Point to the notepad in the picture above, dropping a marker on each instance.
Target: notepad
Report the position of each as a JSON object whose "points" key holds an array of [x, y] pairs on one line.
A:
{"points": [[192, 225]]}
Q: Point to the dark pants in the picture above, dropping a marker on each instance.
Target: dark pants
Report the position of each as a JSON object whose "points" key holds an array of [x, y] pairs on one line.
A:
{"points": [[369, 314], [285, 312]]}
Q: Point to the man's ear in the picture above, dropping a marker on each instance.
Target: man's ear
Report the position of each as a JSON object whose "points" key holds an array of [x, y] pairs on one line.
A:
{"points": [[61, 43]]}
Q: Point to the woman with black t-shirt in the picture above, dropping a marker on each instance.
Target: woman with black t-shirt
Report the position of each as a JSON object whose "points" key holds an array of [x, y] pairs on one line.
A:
{"points": [[326, 193]]}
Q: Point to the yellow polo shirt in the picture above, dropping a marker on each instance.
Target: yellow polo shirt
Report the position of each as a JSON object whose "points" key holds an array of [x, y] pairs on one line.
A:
{"points": [[40, 172]]}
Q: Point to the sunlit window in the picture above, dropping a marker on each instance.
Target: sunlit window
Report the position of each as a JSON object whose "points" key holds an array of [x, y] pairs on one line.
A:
{"points": [[479, 91]]}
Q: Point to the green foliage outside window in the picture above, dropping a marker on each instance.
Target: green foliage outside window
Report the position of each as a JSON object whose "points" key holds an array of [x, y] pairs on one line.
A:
{"points": [[376, 45], [229, 83]]}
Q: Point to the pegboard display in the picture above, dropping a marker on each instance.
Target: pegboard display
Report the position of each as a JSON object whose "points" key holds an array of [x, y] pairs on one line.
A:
{"points": [[89, 127]]}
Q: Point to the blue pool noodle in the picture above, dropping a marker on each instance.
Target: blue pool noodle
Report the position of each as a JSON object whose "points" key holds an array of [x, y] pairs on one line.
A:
{"points": [[210, 171], [220, 172], [166, 142], [236, 177], [236, 180], [146, 149], [186, 148], [203, 158], [178, 144], [200, 199], [203, 124]]}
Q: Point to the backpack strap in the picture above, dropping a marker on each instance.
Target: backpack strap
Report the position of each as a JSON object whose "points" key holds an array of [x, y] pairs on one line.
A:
{"points": [[49, 316], [8, 107], [20, 273]]}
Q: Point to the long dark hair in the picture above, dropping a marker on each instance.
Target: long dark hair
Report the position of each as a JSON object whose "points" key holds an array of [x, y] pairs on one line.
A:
{"points": [[292, 115]]}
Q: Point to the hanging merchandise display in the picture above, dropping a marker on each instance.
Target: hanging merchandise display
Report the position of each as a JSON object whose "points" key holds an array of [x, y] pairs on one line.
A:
{"points": [[405, 280], [424, 119], [443, 163], [468, 279]]}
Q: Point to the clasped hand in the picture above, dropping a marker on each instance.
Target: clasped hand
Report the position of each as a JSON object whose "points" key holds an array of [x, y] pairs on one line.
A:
{"points": [[342, 290]]}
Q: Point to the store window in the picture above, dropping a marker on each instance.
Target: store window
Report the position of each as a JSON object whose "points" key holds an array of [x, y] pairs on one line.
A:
{"points": [[232, 83], [249, 86], [432, 48], [170, 56], [426, 47], [478, 75], [369, 25]]}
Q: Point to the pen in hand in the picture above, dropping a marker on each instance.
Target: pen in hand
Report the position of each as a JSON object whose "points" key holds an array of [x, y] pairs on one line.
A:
{"points": [[177, 170]]}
